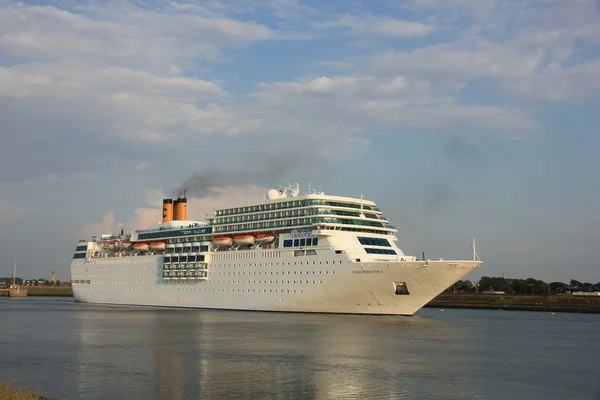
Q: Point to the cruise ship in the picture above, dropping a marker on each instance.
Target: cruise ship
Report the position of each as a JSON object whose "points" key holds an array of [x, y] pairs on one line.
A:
{"points": [[290, 252]]}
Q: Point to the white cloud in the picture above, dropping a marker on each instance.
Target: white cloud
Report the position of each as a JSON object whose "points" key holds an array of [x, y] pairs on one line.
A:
{"points": [[68, 179], [108, 224], [46, 79], [118, 102], [537, 50], [122, 33], [378, 26], [142, 166], [555, 83], [12, 210], [123, 78], [356, 103]]}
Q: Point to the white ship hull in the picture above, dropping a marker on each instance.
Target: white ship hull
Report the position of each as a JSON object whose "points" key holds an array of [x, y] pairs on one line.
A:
{"points": [[270, 281]]}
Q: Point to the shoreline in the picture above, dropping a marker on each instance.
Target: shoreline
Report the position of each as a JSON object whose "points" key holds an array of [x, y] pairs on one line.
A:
{"points": [[546, 303], [10, 392], [39, 291]]}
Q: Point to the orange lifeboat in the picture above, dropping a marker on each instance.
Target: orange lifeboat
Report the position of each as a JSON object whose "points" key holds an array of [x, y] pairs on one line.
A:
{"points": [[158, 246], [141, 246], [264, 238], [243, 240], [223, 241]]}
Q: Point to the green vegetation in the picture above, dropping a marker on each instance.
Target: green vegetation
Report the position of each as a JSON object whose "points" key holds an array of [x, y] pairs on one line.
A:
{"points": [[522, 286], [6, 281], [63, 291], [521, 294], [565, 303], [8, 392]]}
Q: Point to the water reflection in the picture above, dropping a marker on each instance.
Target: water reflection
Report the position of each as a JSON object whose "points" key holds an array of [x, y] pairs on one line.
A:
{"points": [[77, 351], [167, 354]]}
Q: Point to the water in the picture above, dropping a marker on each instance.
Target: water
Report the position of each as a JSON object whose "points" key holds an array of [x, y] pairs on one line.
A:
{"points": [[80, 351]]}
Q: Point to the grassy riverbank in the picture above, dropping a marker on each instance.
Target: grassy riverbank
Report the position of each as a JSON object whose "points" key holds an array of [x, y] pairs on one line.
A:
{"points": [[564, 303], [62, 291], [9, 392]]}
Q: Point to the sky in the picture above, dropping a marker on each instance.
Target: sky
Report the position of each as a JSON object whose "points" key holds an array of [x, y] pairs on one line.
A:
{"points": [[459, 118]]}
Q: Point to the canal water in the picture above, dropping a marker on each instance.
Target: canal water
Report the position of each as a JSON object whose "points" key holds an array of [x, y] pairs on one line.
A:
{"points": [[81, 351]]}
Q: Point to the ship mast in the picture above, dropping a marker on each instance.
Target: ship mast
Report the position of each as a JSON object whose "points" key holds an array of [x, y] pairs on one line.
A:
{"points": [[475, 256], [362, 214]]}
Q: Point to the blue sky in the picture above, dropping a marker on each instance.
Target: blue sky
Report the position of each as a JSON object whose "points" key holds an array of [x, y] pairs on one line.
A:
{"points": [[459, 118]]}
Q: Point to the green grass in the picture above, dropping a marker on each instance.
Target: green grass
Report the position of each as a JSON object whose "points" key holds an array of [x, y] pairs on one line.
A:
{"points": [[49, 291]]}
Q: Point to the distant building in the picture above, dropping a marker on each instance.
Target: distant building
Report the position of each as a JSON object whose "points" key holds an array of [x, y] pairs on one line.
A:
{"points": [[493, 292], [53, 278], [585, 293]]}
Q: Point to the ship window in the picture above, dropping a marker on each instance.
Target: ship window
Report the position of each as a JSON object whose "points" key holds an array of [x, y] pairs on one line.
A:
{"points": [[195, 249], [79, 255], [315, 241], [178, 249], [296, 242], [167, 259], [81, 248], [192, 258], [401, 288], [175, 259], [374, 241], [379, 251], [302, 242], [203, 248], [186, 249], [200, 258]]}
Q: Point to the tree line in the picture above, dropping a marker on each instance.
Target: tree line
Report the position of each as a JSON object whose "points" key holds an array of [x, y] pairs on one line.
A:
{"points": [[6, 281], [522, 286]]}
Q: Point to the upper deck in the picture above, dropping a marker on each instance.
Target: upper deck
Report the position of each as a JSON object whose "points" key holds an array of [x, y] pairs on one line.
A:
{"points": [[287, 209]]}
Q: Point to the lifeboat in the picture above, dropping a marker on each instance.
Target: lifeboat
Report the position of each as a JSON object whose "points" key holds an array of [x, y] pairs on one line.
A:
{"points": [[222, 241], [158, 246], [109, 245], [264, 238], [141, 246], [123, 244], [243, 240]]}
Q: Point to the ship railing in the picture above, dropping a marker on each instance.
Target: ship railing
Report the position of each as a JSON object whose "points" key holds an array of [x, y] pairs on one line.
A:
{"points": [[319, 212], [291, 204]]}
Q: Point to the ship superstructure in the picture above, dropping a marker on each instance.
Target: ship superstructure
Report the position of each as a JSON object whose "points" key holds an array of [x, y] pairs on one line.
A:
{"points": [[291, 252]]}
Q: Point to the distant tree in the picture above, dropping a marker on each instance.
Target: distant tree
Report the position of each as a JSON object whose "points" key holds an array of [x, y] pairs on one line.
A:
{"points": [[519, 286], [536, 287], [495, 283], [57, 283], [467, 286], [575, 283], [461, 286], [558, 287]]}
